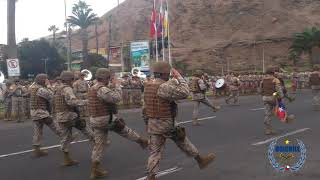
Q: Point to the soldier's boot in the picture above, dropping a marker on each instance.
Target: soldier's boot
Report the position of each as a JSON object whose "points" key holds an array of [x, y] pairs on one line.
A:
{"points": [[37, 152], [227, 101], [204, 161], [151, 177], [268, 130], [144, 143], [195, 122], [96, 171], [216, 108], [67, 161], [290, 118]]}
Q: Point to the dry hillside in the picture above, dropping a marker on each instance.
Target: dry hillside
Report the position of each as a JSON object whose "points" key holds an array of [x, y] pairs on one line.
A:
{"points": [[215, 33]]}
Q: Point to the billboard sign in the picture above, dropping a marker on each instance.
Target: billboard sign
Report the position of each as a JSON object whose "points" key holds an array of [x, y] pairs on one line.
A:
{"points": [[140, 53]]}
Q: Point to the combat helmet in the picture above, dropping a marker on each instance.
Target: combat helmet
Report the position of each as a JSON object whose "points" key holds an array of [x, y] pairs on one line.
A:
{"points": [[103, 73], [41, 79], [161, 67], [67, 76]]}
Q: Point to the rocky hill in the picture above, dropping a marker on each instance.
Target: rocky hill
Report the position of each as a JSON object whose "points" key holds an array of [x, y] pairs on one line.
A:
{"points": [[211, 34]]}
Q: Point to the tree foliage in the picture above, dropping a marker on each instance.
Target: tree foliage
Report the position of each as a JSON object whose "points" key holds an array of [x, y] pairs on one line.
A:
{"points": [[32, 55], [83, 17], [304, 42]]}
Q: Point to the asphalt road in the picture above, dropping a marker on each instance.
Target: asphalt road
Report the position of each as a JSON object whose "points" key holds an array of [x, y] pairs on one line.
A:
{"points": [[231, 133]]}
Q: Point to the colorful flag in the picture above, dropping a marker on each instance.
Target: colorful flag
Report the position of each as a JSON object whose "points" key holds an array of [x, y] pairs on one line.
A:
{"points": [[281, 111], [166, 22], [153, 25], [160, 23]]}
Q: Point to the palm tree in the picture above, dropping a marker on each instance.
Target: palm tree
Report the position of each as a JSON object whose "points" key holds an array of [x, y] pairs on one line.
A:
{"points": [[53, 29], [96, 25], [305, 42], [83, 17], [11, 31]]}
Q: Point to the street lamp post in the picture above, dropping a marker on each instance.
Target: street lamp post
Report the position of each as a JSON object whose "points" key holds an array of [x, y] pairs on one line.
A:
{"points": [[45, 65]]}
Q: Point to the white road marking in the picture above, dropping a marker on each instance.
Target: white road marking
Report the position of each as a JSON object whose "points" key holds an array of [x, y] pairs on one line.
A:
{"points": [[278, 137], [49, 147], [257, 109], [86, 140], [201, 119], [163, 173]]}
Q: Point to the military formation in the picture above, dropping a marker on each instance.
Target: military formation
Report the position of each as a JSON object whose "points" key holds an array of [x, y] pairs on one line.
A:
{"points": [[92, 108]]}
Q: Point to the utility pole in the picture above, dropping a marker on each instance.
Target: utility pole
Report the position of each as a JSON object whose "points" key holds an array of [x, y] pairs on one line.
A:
{"points": [[45, 65], [263, 66], [109, 38], [68, 39]]}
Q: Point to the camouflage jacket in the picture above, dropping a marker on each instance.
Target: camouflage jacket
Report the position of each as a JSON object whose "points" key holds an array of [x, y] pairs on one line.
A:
{"points": [[107, 95], [172, 90], [47, 94], [72, 101]]}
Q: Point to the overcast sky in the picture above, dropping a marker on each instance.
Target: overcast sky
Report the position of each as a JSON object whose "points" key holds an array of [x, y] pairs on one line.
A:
{"points": [[33, 17]]}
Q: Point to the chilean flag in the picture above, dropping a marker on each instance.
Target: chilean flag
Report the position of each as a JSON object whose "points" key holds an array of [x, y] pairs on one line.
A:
{"points": [[281, 111], [153, 25]]}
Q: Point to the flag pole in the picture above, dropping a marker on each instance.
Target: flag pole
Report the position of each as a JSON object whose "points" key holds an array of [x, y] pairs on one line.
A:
{"points": [[162, 30], [156, 34], [169, 43]]}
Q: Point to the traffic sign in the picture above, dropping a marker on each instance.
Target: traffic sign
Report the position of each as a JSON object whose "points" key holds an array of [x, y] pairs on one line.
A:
{"points": [[13, 67]]}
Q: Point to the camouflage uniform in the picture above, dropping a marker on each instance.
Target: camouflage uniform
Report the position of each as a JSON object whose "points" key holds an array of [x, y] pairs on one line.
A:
{"points": [[159, 112], [125, 83], [315, 86], [40, 100], [18, 102], [80, 89], [103, 109], [65, 103], [8, 101], [136, 87], [234, 90], [198, 90], [268, 86]]}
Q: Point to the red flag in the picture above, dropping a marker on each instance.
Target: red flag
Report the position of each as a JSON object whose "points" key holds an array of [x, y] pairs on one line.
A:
{"points": [[153, 23]]}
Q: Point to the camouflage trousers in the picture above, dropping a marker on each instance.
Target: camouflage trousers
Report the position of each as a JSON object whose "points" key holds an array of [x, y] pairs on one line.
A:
{"points": [[65, 129], [156, 148], [125, 97], [101, 137], [234, 94], [8, 109], [136, 95], [316, 99], [18, 109], [38, 129], [268, 112], [196, 106]]}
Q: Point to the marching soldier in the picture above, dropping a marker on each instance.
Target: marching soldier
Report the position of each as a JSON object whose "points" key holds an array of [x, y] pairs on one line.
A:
{"points": [[8, 100], [81, 87], [136, 90], [233, 89], [198, 90], [66, 115], [160, 112], [125, 86], [270, 91], [40, 109], [315, 86], [103, 109], [18, 103]]}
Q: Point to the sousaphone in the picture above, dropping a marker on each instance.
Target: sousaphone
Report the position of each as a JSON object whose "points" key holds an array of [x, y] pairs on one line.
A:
{"points": [[88, 73]]}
